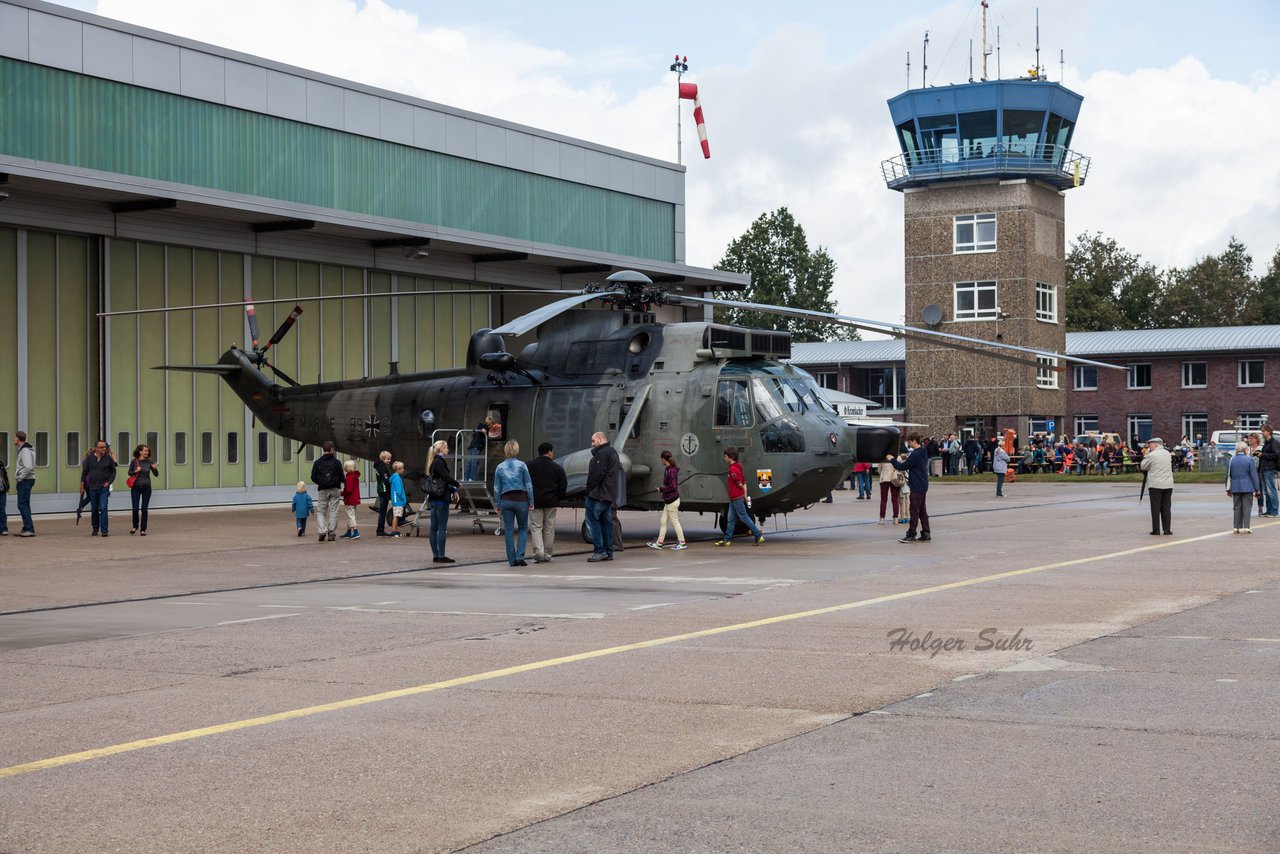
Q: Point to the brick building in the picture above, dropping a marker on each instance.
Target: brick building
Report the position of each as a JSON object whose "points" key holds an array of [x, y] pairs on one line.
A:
{"points": [[1179, 381]]}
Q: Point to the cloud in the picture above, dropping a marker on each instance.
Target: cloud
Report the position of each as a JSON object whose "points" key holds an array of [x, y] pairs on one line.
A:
{"points": [[1181, 161]]}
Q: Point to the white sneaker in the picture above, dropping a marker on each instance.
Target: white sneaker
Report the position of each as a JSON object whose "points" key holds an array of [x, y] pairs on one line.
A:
{"points": [[880, 522], [678, 546], [658, 546]]}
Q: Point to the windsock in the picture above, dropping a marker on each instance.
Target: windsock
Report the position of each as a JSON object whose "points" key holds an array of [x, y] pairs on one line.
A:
{"points": [[689, 92]]}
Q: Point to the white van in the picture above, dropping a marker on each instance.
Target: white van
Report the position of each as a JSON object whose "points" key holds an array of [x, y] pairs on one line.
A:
{"points": [[1224, 441]]}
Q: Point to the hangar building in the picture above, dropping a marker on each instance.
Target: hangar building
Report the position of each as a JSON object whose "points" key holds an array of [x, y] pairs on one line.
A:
{"points": [[142, 170]]}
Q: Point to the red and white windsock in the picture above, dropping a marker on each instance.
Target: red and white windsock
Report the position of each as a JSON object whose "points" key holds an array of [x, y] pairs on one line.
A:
{"points": [[689, 92]]}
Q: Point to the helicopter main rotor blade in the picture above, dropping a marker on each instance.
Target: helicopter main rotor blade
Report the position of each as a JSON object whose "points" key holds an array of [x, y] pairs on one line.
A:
{"points": [[539, 316], [284, 328], [281, 374], [896, 329], [378, 295]]}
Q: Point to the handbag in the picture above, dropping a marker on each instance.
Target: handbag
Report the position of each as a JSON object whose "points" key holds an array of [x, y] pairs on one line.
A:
{"points": [[131, 480], [437, 488]]}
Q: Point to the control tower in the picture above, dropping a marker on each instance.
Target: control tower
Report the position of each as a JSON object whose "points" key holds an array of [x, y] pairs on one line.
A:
{"points": [[983, 170]]}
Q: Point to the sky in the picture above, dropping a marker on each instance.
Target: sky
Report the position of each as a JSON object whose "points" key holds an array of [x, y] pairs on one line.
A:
{"points": [[1180, 113]]}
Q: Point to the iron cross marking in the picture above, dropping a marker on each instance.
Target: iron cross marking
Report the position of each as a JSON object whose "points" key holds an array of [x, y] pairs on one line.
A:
{"points": [[372, 426]]}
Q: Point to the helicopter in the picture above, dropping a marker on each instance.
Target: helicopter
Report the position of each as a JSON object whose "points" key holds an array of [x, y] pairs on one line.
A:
{"points": [[695, 389]]}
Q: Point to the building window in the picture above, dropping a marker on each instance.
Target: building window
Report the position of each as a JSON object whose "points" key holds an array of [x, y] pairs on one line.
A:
{"points": [[310, 455], [73, 449], [1195, 374], [1251, 373], [827, 379], [286, 450], [886, 386], [233, 448], [1086, 378], [1195, 426], [123, 448], [42, 450], [1046, 372], [206, 448], [975, 233], [264, 447], [1139, 428], [153, 442], [1086, 424], [179, 449], [975, 301], [1249, 422], [1139, 376], [1046, 302]]}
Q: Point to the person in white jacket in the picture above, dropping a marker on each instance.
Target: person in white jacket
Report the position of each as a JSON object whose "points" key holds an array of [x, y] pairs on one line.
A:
{"points": [[1158, 464], [1000, 465], [25, 475]]}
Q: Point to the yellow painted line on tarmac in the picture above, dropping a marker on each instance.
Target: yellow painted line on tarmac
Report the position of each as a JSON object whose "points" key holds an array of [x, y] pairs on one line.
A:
{"points": [[247, 723]]}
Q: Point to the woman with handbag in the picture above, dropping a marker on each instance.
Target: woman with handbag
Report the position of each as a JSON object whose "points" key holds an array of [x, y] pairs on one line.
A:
{"points": [[141, 468], [891, 483], [440, 487]]}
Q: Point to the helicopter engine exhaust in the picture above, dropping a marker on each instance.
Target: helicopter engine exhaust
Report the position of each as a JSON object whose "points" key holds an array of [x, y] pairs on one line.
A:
{"points": [[874, 443]]}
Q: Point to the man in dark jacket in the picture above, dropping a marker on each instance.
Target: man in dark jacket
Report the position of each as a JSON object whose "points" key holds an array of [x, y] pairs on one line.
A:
{"points": [[549, 488], [382, 477], [1268, 462], [328, 476], [916, 465], [99, 472], [603, 482]]}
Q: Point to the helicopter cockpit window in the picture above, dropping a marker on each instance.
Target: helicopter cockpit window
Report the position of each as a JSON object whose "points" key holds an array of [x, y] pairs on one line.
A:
{"points": [[790, 399], [733, 404], [768, 405], [782, 436]]}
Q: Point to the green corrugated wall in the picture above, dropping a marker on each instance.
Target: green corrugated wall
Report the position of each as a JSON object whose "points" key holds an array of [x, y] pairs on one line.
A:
{"points": [[72, 119]]}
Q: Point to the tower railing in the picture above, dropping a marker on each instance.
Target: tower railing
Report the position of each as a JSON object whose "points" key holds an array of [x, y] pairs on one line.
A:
{"points": [[1053, 164]]}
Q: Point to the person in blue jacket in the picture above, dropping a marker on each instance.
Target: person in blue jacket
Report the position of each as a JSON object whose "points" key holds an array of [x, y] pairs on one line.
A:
{"points": [[916, 465], [514, 488], [398, 499], [1243, 485], [303, 507]]}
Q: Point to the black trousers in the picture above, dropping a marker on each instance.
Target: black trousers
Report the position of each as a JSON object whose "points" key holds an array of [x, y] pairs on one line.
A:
{"points": [[384, 512], [919, 515], [1161, 509], [140, 498]]}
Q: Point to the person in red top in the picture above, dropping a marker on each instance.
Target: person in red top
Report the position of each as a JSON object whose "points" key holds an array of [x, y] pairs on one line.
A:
{"points": [[737, 502], [351, 498]]}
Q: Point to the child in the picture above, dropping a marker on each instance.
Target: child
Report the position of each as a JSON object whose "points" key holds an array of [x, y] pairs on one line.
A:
{"points": [[398, 499], [671, 504], [738, 497], [303, 507], [351, 499]]}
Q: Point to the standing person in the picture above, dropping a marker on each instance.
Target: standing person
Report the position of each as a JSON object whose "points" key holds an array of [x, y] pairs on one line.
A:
{"points": [[670, 492], [382, 480], [550, 485], [24, 472], [1000, 465], [862, 474], [99, 471], [475, 450], [1268, 462], [350, 499], [972, 453], [1254, 441], [440, 486], [303, 507], [514, 488], [1158, 464], [398, 499], [141, 469], [737, 502], [328, 476], [1243, 485], [916, 466], [891, 481], [604, 477]]}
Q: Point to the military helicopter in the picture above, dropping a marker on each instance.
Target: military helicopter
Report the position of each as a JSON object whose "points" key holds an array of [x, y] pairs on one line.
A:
{"points": [[692, 388]]}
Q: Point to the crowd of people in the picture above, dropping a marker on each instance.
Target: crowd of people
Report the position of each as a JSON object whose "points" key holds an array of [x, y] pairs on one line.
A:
{"points": [[1096, 454]]}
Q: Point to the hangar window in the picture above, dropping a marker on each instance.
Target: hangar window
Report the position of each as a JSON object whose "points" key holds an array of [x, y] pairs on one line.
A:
{"points": [[310, 455], [153, 442], [179, 449], [73, 449], [264, 447], [42, 450], [4, 448], [123, 447], [233, 448], [286, 451], [206, 448]]}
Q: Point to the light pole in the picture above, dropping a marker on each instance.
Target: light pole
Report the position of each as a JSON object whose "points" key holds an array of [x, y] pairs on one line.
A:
{"points": [[679, 66]]}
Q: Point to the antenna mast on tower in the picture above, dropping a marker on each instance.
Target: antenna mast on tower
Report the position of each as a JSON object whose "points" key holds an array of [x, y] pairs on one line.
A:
{"points": [[908, 69], [1039, 69], [924, 75], [986, 45]]}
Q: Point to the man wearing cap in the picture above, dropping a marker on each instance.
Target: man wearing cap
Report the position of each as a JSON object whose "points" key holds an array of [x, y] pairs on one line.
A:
{"points": [[1158, 464]]}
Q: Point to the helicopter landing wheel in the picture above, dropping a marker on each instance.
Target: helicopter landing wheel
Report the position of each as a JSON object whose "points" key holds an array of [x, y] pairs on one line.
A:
{"points": [[617, 535], [477, 527]]}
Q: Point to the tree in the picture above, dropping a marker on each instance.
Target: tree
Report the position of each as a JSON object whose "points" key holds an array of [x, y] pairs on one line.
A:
{"points": [[1263, 305], [775, 252], [1214, 291], [1097, 269]]}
